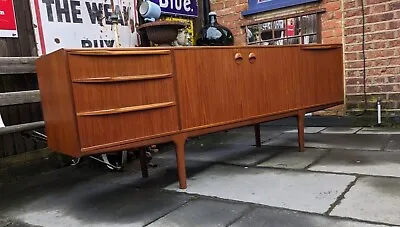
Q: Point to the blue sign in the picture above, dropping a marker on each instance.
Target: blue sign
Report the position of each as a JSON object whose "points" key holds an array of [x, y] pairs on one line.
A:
{"points": [[186, 8], [258, 6]]}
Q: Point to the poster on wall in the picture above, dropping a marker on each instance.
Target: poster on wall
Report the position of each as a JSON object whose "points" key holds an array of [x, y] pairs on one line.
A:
{"points": [[187, 8], [8, 23], [83, 24]]}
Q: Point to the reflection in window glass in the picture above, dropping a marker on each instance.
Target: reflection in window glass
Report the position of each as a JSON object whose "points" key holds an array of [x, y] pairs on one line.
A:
{"points": [[291, 30], [253, 34]]}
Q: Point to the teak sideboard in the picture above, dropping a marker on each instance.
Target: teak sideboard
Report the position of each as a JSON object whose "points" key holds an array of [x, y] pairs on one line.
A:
{"points": [[102, 100]]}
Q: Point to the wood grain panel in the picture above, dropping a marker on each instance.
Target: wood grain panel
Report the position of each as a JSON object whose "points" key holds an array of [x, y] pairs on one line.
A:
{"points": [[57, 103], [208, 86], [98, 96], [97, 130], [321, 76], [92, 66], [271, 82]]}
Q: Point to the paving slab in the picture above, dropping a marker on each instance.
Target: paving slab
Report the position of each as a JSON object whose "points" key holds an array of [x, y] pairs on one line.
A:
{"points": [[372, 199], [307, 130], [293, 159], [261, 217], [379, 131], [340, 130], [352, 141], [256, 155], [312, 192], [393, 144], [97, 205], [360, 162], [205, 213]]}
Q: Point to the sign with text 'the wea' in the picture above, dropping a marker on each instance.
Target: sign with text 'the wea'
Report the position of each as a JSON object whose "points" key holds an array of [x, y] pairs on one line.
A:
{"points": [[8, 24], [186, 8], [83, 24]]}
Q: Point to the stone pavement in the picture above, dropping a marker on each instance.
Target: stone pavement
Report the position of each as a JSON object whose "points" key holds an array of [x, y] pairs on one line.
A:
{"points": [[346, 177]]}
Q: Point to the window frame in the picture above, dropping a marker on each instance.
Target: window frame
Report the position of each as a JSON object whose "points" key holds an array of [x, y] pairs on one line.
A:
{"points": [[259, 23]]}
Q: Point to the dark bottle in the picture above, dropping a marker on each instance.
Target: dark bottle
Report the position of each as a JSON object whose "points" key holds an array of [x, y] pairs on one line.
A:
{"points": [[214, 34]]}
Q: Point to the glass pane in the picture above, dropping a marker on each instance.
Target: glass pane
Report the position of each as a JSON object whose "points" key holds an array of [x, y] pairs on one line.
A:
{"points": [[268, 43], [253, 34], [280, 42], [310, 39], [293, 26], [266, 35], [293, 41], [279, 24], [309, 24], [266, 26]]}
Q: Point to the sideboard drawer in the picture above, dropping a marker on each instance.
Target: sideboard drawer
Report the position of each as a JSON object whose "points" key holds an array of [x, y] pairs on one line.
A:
{"points": [[109, 94], [108, 127], [103, 64]]}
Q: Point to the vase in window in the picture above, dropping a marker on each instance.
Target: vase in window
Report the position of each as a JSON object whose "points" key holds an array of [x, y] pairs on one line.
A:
{"points": [[214, 34]]}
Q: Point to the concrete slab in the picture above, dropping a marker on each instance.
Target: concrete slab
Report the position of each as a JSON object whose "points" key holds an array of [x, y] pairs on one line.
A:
{"points": [[307, 130], [257, 155], [379, 131], [97, 205], [205, 213], [372, 199], [393, 144], [360, 162], [261, 217], [352, 141], [340, 130], [294, 159], [312, 192]]}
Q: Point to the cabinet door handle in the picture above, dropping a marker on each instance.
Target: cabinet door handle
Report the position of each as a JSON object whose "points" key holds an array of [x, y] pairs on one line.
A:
{"points": [[238, 57], [252, 58]]}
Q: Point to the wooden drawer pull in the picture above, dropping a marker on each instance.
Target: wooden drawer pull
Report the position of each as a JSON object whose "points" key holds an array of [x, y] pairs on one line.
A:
{"points": [[127, 109], [120, 52], [122, 78], [238, 57]]}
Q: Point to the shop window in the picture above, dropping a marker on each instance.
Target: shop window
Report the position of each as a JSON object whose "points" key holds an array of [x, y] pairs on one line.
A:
{"points": [[302, 29]]}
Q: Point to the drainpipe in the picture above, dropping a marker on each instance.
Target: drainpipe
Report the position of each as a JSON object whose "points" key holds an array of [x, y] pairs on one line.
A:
{"points": [[206, 11]]}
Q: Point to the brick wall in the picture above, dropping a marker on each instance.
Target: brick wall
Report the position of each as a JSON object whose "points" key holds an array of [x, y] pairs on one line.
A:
{"points": [[382, 52]]}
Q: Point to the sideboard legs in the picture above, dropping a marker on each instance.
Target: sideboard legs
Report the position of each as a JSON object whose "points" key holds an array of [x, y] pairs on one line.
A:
{"points": [[257, 135], [300, 129], [144, 163], [180, 160]]}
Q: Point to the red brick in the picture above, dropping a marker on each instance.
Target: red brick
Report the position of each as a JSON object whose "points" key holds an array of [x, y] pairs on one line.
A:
{"points": [[354, 30], [354, 73], [370, 2], [349, 4], [394, 43], [394, 5], [376, 9], [351, 56], [380, 36], [332, 6], [394, 24], [356, 64], [352, 22], [352, 13], [350, 48], [379, 18], [331, 24], [379, 53], [217, 6], [375, 45]]}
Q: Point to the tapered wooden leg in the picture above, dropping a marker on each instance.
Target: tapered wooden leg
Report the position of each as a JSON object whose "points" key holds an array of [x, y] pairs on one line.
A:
{"points": [[257, 135], [143, 163], [180, 161], [300, 129]]}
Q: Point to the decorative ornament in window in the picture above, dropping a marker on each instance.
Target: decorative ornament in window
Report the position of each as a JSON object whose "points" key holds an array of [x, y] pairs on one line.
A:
{"points": [[258, 6]]}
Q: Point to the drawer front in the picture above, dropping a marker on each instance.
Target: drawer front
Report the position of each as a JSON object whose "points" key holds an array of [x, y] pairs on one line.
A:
{"points": [[98, 96], [99, 65], [114, 126]]}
